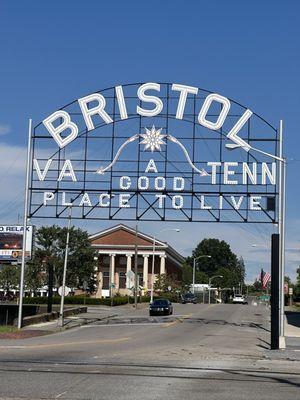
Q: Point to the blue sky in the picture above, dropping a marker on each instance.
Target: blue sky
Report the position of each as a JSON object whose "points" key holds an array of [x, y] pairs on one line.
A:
{"points": [[57, 51]]}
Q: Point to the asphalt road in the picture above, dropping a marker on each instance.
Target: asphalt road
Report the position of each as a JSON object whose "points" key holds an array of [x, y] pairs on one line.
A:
{"points": [[202, 351]]}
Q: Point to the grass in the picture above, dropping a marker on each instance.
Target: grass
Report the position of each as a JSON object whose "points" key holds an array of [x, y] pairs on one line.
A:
{"points": [[8, 329]]}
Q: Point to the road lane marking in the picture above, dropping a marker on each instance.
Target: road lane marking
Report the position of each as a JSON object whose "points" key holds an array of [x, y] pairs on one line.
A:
{"points": [[125, 324], [60, 394], [41, 346], [166, 325]]}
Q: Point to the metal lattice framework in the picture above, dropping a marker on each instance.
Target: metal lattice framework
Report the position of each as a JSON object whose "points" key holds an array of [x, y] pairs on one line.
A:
{"points": [[116, 150]]}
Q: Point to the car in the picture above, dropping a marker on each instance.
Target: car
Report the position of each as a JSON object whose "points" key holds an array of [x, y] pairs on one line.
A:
{"points": [[239, 299], [188, 298], [161, 307]]}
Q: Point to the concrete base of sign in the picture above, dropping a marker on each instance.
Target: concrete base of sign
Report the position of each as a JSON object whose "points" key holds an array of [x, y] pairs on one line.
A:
{"points": [[282, 344]]}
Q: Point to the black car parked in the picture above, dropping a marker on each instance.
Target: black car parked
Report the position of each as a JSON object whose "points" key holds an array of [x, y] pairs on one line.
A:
{"points": [[188, 298], [161, 306]]}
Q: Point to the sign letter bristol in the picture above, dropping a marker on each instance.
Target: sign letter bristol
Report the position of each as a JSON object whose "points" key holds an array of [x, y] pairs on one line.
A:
{"points": [[155, 151]]}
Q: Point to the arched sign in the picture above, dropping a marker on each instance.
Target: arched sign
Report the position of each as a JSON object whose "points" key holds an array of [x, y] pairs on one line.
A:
{"points": [[155, 151]]}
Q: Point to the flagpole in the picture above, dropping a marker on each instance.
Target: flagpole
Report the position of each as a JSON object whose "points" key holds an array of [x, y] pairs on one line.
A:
{"points": [[21, 286]]}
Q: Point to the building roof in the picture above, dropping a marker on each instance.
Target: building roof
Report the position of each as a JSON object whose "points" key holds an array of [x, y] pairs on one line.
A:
{"points": [[124, 236]]}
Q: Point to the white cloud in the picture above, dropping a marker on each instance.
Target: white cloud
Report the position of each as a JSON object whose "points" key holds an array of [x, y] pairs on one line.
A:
{"points": [[12, 160], [4, 129], [12, 175]]}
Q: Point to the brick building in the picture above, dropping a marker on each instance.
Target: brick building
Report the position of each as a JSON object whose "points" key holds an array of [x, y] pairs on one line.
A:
{"points": [[116, 255]]}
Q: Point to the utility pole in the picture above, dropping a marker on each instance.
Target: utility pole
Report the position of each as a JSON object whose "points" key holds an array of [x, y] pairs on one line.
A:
{"points": [[194, 268], [152, 270], [61, 313], [50, 286], [194, 273]]}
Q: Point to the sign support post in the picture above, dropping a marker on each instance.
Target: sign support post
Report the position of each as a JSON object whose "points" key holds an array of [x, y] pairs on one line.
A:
{"points": [[21, 287], [275, 292], [281, 231]]}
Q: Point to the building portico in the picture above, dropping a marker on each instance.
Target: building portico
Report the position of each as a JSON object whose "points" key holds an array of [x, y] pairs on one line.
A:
{"points": [[116, 257]]}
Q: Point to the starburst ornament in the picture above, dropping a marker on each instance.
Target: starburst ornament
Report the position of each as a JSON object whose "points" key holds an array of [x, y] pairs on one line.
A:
{"points": [[152, 139]]}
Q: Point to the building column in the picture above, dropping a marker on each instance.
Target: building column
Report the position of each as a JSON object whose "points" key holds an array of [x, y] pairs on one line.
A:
{"points": [[112, 268], [117, 281], [145, 271], [99, 284], [128, 266], [162, 265]]}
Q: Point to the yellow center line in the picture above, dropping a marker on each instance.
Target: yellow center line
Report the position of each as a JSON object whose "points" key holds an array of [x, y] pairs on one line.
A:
{"points": [[40, 346], [177, 321]]}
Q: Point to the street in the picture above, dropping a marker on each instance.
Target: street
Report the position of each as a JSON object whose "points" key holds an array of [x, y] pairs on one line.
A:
{"points": [[202, 351]]}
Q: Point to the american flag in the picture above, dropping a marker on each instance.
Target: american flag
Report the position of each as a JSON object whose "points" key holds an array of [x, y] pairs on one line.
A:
{"points": [[266, 279]]}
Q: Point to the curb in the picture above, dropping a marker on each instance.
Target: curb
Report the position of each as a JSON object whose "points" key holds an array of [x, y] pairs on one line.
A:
{"points": [[75, 324]]}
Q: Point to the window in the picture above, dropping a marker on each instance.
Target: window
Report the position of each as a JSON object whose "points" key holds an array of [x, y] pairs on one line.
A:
{"points": [[122, 260], [140, 261], [105, 277], [106, 260], [122, 280]]}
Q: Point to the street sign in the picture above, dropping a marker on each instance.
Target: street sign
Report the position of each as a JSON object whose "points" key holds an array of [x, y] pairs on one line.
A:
{"points": [[130, 274], [291, 291], [67, 290]]}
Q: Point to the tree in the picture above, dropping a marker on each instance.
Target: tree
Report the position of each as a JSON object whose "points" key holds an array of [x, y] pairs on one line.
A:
{"points": [[287, 280], [9, 277], [35, 276], [164, 282], [50, 252], [187, 274], [222, 261], [297, 286], [298, 277]]}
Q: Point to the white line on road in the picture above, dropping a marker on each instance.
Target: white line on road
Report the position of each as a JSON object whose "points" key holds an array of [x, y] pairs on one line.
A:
{"points": [[125, 324], [60, 394]]}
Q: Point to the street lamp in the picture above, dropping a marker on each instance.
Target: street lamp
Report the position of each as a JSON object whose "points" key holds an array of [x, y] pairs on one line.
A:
{"points": [[153, 260], [194, 268], [209, 284]]}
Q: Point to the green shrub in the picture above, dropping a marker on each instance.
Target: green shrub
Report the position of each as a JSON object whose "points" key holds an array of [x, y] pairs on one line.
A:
{"points": [[173, 297], [117, 300]]}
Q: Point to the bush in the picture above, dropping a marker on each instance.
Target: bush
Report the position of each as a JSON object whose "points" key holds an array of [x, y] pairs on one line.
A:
{"points": [[173, 297], [117, 301]]}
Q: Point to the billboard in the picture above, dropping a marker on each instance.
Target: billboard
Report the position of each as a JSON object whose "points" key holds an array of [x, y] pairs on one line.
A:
{"points": [[11, 241]]}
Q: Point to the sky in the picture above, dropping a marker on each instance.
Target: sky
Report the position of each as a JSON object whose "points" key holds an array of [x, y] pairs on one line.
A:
{"points": [[57, 51]]}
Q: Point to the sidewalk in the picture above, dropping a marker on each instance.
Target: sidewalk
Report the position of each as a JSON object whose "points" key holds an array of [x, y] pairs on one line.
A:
{"points": [[93, 314], [292, 328], [73, 321]]}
